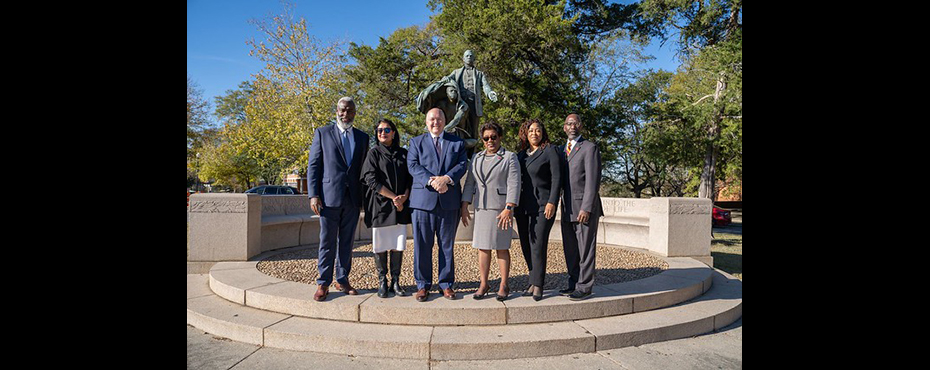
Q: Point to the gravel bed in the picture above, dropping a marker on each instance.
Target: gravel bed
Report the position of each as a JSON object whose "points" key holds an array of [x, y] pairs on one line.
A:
{"points": [[614, 265]]}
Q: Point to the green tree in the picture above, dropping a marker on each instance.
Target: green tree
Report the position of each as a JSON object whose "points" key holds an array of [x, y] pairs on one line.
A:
{"points": [[388, 78], [292, 95], [221, 163], [198, 115], [275, 134], [230, 108], [629, 111], [199, 128], [269, 120], [706, 95], [300, 64]]}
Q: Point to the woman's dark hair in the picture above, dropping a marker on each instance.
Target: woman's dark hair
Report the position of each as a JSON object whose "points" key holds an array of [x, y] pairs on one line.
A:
{"points": [[395, 143], [524, 130], [491, 125]]}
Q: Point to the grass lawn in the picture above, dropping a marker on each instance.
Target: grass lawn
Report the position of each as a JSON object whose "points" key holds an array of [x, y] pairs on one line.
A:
{"points": [[727, 250]]}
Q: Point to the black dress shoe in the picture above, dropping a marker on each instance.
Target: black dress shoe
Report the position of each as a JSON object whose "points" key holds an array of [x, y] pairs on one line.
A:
{"points": [[568, 291], [537, 295], [577, 296]]}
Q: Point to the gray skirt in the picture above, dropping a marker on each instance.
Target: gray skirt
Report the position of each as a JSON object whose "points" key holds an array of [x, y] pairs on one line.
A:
{"points": [[487, 235]]}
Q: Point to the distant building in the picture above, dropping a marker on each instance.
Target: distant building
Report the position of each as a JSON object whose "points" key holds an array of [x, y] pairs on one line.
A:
{"points": [[296, 181]]}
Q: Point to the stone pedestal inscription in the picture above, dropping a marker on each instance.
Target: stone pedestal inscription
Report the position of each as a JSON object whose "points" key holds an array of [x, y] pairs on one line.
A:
{"points": [[224, 227]]}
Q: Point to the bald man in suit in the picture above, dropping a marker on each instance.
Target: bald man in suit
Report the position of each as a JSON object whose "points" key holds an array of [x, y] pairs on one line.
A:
{"points": [[437, 161], [581, 208]]}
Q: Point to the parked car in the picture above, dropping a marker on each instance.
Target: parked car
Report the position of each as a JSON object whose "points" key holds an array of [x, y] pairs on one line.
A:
{"points": [[721, 217], [273, 190]]}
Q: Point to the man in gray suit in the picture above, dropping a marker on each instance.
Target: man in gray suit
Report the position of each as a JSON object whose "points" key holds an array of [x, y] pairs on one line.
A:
{"points": [[581, 208]]}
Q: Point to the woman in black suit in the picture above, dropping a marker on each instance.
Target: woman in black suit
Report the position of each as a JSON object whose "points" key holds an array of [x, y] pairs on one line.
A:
{"points": [[541, 167]]}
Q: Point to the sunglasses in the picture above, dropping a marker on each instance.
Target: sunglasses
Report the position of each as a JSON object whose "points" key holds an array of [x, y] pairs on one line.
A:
{"points": [[489, 138], [386, 130]]}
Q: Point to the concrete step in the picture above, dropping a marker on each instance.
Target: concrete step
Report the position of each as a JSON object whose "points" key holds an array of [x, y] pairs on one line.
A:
{"points": [[242, 283], [721, 305]]}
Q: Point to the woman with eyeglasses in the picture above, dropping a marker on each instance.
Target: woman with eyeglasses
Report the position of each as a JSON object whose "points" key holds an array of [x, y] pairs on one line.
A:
{"points": [[542, 183], [492, 184], [387, 213]]}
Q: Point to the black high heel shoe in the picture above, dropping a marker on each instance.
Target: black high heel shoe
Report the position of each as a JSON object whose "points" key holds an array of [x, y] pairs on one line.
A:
{"points": [[482, 295], [502, 298], [537, 296]]}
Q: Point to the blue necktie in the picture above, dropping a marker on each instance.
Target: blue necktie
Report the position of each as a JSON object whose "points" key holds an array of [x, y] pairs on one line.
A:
{"points": [[345, 146]]}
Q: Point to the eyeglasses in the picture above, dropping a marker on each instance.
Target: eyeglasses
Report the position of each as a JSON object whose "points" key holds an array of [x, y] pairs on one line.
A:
{"points": [[489, 138], [386, 130]]}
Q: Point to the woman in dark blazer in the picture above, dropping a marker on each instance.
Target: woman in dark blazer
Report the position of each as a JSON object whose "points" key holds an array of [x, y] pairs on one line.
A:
{"points": [[541, 167], [387, 211]]}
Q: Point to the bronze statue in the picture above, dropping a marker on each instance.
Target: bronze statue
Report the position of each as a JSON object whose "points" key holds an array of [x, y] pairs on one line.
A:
{"points": [[459, 96]]}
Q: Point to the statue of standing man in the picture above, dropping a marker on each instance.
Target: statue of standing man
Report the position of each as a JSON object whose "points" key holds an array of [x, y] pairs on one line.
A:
{"points": [[463, 85], [471, 82]]}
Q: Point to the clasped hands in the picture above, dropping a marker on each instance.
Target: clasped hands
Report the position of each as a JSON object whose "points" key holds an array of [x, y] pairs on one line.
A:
{"points": [[440, 183], [399, 201]]}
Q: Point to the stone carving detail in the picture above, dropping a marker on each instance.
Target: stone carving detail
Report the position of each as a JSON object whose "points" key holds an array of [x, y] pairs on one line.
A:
{"points": [[617, 206], [690, 209], [219, 206]]}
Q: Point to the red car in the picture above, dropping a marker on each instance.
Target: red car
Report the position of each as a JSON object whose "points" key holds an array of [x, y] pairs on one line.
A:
{"points": [[721, 217]]}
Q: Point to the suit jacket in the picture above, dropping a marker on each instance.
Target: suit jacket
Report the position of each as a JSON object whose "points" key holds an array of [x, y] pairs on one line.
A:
{"points": [[329, 177], [541, 179], [481, 85], [422, 162], [582, 181], [500, 186]]}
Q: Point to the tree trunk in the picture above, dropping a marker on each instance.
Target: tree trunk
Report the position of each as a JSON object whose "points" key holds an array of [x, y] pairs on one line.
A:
{"points": [[706, 190]]}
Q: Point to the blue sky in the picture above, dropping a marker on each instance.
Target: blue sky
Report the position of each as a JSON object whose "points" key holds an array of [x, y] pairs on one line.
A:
{"points": [[217, 30]]}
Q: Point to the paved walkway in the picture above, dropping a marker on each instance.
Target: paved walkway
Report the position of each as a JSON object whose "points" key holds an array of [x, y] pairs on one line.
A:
{"points": [[719, 350]]}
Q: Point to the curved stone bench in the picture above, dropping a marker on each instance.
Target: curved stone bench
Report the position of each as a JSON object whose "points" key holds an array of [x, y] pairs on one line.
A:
{"points": [[242, 283], [238, 227]]}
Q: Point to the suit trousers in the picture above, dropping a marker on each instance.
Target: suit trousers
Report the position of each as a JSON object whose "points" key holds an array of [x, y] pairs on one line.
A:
{"points": [[534, 241], [578, 243], [337, 236], [427, 227]]}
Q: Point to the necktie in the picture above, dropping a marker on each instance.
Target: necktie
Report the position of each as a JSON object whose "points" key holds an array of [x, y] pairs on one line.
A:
{"points": [[345, 146], [438, 151], [568, 148]]}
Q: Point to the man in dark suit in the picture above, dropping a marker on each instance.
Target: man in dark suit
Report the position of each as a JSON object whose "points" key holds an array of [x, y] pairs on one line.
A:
{"points": [[581, 208], [335, 191], [437, 161]]}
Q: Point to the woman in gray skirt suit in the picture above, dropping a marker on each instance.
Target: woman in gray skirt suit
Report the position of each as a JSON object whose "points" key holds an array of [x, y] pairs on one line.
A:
{"points": [[492, 184]]}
